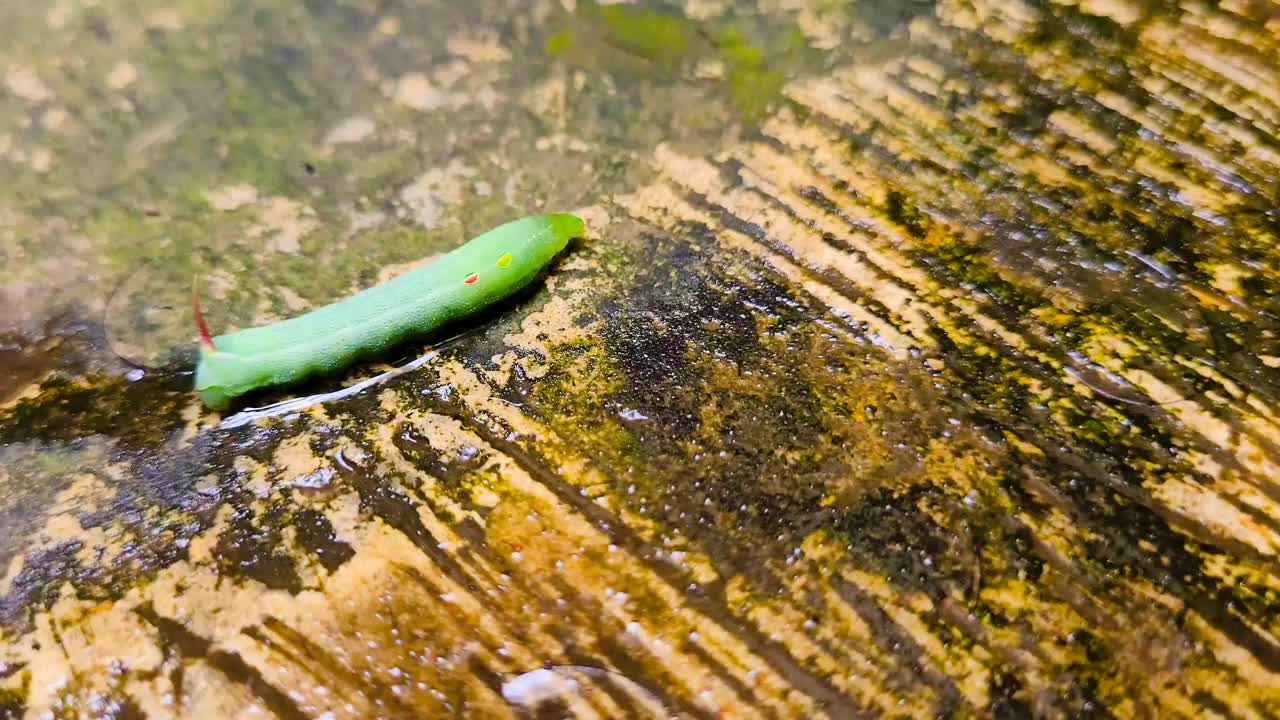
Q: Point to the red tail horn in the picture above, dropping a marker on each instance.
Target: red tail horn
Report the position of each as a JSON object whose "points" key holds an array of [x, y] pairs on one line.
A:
{"points": [[206, 340]]}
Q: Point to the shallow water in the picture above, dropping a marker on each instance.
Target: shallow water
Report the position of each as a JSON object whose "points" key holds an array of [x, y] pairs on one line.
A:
{"points": [[921, 360]]}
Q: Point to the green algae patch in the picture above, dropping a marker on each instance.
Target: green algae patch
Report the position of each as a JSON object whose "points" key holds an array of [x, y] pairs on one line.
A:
{"points": [[961, 262], [574, 387], [664, 39], [1084, 427], [13, 700], [755, 74], [756, 61]]}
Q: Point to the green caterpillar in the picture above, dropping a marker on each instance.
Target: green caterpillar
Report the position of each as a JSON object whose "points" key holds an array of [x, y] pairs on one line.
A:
{"points": [[481, 272]]}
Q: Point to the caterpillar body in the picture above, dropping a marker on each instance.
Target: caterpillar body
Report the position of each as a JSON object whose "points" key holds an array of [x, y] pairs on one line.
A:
{"points": [[488, 268]]}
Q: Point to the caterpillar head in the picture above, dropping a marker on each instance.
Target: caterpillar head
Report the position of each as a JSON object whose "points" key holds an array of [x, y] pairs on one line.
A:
{"points": [[564, 228]]}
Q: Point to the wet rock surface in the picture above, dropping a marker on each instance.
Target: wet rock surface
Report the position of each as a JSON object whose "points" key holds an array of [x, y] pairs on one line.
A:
{"points": [[921, 360]]}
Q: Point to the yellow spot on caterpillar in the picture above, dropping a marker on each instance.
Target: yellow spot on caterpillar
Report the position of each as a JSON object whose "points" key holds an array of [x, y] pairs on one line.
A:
{"points": [[505, 260]]}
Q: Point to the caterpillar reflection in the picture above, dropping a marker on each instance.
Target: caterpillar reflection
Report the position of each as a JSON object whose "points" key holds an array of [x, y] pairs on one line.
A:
{"points": [[488, 268]]}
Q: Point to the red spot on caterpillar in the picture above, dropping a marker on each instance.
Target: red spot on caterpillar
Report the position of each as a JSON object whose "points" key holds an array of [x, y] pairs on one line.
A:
{"points": [[471, 279], [202, 329]]}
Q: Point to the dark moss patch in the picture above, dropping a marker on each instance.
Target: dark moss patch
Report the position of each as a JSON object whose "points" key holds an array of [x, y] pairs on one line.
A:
{"points": [[891, 532], [989, 379], [149, 516], [37, 584], [85, 394], [316, 534], [453, 469], [682, 398], [888, 17], [253, 547], [68, 410], [1007, 701], [905, 215], [13, 700]]}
